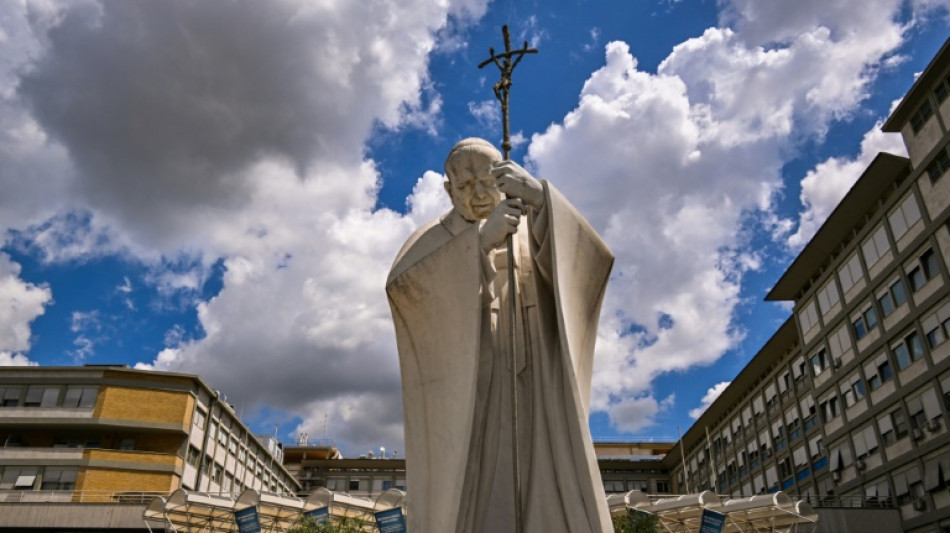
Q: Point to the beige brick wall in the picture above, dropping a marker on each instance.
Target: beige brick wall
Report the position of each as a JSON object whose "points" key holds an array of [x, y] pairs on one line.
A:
{"points": [[148, 458], [102, 483], [123, 403]]}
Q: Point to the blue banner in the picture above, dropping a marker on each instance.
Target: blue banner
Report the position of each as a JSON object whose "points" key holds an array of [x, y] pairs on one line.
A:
{"points": [[391, 521], [711, 522], [247, 520], [320, 514]]}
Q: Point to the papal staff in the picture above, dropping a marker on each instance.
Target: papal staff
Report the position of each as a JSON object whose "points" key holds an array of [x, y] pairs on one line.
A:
{"points": [[506, 63]]}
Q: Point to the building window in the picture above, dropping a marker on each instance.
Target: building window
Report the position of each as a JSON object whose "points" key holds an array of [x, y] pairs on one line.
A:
{"points": [[904, 216], [878, 372], [936, 326], [893, 298], [907, 485], [839, 341], [199, 418], [921, 116], [900, 423], [808, 317], [778, 435], [80, 396], [941, 92], [850, 273], [875, 246], [10, 396], [939, 166], [819, 362], [830, 409], [858, 387], [193, 455], [925, 270], [59, 479], [18, 477], [794, 430], [865, 442], [216, 473], [865, 322], [40, 396], [827, 296], [907, 351]]}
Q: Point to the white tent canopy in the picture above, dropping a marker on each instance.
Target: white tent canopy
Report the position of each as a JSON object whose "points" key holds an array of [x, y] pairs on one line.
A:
{"points": [[186, 511], [763, 513]]}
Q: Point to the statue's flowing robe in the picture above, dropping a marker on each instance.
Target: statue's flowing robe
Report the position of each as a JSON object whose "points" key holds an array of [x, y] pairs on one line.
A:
{"points": [[449, 306]]}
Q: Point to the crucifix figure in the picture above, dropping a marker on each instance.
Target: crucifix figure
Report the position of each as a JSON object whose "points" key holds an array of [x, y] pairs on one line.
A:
{"points": [[495, 306]]}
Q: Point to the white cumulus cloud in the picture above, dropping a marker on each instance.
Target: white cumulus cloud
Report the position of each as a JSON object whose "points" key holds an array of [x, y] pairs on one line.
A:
{"points": [[671, 166], [21, 303], [708, 399]]}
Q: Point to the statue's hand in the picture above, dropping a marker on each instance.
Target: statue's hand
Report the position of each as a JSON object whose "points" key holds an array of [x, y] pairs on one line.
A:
{"points": [[517, 182], [502, 221]]}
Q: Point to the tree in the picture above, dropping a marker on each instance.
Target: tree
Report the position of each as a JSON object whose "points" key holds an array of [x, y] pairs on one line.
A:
{"points": [[636, 522], [309, 524]]}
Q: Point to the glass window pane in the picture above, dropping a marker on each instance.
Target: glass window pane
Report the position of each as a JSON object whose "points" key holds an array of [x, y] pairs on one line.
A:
{"points": [[916, 348], [903, 358], [897, 290], [50, 397], [88, 398], [870, 318], [72, 397], [859, 330], [887, 304]]}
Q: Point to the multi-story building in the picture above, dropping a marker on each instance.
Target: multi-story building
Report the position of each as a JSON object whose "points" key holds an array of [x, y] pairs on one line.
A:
{"points": [[624, 466], [849, 399], [94, 432]]}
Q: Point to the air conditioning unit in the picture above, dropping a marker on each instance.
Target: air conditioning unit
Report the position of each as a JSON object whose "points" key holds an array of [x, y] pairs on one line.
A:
{"points": [[860, 464], [920, 504], [916, 434], [836, 362], [836, 476], [933, 426]]}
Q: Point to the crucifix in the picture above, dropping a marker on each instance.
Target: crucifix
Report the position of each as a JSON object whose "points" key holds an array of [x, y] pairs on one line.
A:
{"points": [[506, 63]]}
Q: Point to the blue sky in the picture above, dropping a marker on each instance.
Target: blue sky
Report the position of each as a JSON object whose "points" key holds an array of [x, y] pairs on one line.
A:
{"points": [[220, 187]]}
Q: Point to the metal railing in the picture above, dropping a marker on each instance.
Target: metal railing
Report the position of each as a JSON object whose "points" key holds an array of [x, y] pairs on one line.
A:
{"points": [[77, 496], [863, 502]]}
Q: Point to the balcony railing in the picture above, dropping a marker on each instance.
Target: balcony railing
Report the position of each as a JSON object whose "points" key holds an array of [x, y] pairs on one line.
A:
{"points": [[850, 501], [77, 496]]}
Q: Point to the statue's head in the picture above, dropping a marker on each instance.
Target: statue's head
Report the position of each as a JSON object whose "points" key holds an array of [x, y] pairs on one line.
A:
{"points": [[471, 185]]}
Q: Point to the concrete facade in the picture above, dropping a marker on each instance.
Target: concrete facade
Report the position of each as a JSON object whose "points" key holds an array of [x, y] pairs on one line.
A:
{"points": [[849, 399], [87, 434], [624, 466]]}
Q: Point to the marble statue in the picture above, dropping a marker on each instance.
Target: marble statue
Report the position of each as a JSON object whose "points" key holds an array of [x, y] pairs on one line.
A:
{"points": [[448, 294]]}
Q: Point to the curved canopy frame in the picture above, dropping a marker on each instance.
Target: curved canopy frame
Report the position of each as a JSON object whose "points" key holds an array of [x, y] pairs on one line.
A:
{"points": [[775, 512], [192, 512]]}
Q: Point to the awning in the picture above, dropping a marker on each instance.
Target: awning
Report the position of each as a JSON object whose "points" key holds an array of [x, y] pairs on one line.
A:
{"points": [[763, 513], [187, 511]]}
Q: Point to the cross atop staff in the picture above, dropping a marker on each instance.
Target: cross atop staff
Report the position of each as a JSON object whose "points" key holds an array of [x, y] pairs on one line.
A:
{"points": [[506, 63]]}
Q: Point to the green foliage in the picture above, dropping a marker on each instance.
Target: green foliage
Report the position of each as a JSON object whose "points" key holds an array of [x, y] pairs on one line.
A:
{"points": [[636, 522], [309, 524]]}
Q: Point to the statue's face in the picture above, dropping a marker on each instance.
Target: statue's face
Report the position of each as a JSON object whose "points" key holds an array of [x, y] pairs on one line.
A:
{"points": [[471, 185]]}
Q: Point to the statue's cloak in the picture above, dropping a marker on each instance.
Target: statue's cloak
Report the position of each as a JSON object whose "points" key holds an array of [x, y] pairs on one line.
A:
{"points": [[435, 293]]}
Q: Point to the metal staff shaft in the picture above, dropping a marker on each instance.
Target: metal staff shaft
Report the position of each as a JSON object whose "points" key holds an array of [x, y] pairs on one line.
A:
{"points": [[506, 63]]}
